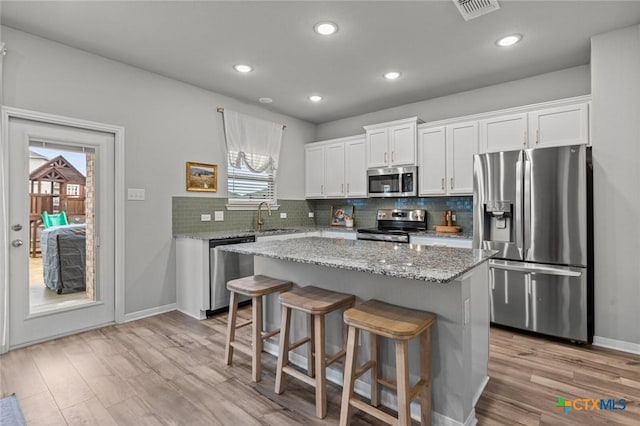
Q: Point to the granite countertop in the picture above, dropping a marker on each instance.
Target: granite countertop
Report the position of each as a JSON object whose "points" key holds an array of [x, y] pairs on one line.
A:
{"points": [[411, 261], [212, 235]]}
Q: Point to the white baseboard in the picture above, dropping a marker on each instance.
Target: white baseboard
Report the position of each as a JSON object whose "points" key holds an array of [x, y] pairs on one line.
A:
{"points": [[619, 345], [478, 394], [149, 312], [388, 399]]}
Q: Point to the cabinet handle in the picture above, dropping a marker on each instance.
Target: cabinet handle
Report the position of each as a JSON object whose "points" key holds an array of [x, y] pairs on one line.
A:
{"points": [[537, 136], [385, 157], [442, 184], [347, 187], [342, 188], [322, 189], [451, 183], [524, 138], [393, 156]]}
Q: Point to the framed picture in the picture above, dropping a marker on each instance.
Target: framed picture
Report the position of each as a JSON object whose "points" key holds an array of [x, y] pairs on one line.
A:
{"points": [[342, 216], [202, 177]]}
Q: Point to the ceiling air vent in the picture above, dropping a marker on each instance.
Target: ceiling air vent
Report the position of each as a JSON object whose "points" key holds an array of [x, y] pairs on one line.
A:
{"points": [[471, 9]]}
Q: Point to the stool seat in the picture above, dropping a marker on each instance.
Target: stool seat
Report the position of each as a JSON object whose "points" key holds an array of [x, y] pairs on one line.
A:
{"points": [[315, 301], [254, 286], [401, 325], [391, 321], [257, 285]]}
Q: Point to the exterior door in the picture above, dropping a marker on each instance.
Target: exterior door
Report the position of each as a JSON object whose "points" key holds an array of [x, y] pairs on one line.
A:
{"points": [[88, 234]]}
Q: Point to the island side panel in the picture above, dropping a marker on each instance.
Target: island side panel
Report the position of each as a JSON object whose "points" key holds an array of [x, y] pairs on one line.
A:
{"points": [[451, 340]]}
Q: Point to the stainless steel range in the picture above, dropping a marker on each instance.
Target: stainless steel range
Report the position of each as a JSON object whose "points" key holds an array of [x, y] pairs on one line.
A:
{"points": [[395, 225]]}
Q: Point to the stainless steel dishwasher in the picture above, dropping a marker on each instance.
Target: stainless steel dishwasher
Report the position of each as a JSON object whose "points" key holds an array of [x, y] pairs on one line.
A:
{"points": [[225, 266]]}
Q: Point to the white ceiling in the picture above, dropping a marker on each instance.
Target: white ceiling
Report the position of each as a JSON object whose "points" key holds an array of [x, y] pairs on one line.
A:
{"points": [[437, 52]]}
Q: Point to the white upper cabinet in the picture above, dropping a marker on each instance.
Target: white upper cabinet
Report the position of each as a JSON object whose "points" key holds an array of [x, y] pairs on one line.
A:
{"points": [[336, 168], [503, 133], [356, 167], [314, 171], [392, 144], [462, 145], [563, 125], [445, 165], [432, 155], [537, 127]]}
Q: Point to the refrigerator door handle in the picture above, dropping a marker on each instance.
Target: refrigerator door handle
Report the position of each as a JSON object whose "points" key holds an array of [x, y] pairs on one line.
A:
{"points": [[527, 286], [518, 221], [527, 206], [533, 268]]}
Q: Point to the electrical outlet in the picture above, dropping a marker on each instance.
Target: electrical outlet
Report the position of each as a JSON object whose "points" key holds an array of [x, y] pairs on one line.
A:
{"points": [[205, 218], [453, 217], [312, 214], [283, 215], [135, 194], [218, 216]]}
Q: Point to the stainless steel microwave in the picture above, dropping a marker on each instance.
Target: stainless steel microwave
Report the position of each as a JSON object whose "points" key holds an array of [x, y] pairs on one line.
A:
{"points": [[393, 182]]}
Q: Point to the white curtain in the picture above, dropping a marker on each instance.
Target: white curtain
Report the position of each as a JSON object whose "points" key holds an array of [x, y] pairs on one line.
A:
{"points": [[252, 141], [4, 237]]}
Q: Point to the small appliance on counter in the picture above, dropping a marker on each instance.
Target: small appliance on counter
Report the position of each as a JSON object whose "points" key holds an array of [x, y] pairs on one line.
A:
{"points": [[395, 225]]}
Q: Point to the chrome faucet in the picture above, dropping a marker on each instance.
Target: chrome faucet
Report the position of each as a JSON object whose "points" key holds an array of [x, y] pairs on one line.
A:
{"points": [[260, 221]]}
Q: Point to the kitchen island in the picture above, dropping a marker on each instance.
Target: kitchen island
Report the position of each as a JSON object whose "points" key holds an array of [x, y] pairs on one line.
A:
{"points": [[450, 282]]}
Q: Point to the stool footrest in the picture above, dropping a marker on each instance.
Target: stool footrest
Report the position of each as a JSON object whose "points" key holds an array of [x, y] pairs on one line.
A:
{"points": [[375, 412], [330, 360], [413, 392], [266, 335], [365, 367], [299, 343], [299, 375], [388, 384], [244, 324], [242, 348]]}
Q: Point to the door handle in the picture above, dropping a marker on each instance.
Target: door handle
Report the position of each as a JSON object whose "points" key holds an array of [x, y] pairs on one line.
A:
{"points": [[17, 227], [17, 243]]}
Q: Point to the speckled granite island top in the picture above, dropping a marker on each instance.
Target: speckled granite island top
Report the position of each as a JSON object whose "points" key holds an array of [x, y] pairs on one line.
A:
{"points": [[425, 263]]}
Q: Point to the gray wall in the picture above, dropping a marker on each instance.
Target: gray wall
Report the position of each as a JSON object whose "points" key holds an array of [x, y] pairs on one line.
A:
{"points": [[545, 87], [167, 123], [615, 60]]}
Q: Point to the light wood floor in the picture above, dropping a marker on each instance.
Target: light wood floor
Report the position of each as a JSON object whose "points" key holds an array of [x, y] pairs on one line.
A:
{"points": [[168, 369]]}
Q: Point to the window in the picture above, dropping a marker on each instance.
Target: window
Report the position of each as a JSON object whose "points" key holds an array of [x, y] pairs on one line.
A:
{"points": [[73, 190], [247, 188]]}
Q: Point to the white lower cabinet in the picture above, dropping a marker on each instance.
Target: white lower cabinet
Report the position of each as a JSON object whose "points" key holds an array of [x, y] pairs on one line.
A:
{"points": [[441, 241]]}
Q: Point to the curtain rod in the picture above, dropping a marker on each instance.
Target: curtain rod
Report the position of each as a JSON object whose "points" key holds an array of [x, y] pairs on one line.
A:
{"points": [[221, 111]]}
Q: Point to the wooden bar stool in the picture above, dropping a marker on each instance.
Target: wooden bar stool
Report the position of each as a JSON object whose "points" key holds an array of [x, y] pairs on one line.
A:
{"points": [[400, 324], [254, 286], [316, 302]]}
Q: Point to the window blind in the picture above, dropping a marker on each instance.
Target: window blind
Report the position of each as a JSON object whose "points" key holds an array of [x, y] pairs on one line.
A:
{"points": [[247, 187]]}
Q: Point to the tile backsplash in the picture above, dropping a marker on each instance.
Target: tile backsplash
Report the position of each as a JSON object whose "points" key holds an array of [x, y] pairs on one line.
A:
{"points": [[186, 212], [364, 210]]}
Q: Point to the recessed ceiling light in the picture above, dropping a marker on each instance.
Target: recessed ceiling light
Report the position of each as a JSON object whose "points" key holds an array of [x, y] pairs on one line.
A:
{"points": [[509, 40], [243, 68], [325, 28], [315, 98], [265, 100], [391, 75]]}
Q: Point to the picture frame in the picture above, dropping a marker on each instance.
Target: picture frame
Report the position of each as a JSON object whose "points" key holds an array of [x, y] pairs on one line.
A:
{"points": [[341, 215], [202, 177]]}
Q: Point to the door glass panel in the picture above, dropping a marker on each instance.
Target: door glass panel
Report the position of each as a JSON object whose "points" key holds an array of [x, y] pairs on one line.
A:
{"points": [[61, 191]]}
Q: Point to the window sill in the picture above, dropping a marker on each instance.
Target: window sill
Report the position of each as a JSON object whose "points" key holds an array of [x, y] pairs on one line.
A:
{"points": [[249, 207]]}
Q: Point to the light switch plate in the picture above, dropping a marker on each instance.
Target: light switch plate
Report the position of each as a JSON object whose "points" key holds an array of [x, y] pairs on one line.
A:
{"points": [[218, 216], [205, 218], [312, 214], [283, 215], [135, 194]]}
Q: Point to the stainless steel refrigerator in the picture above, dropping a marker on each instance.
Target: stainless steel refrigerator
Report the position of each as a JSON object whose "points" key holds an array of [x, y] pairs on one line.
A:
{"points": [[534, 207]]}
